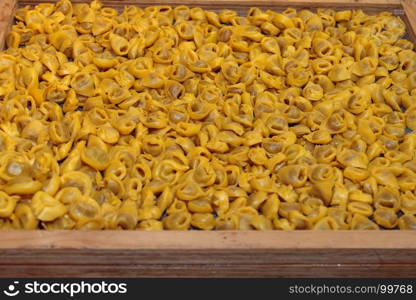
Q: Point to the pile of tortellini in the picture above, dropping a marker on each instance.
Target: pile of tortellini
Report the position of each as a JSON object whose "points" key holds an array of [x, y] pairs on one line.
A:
{"points": [[180, 118]]}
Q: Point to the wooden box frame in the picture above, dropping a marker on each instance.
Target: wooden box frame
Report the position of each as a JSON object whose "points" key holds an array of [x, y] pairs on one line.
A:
{"points": [[213, 254]]}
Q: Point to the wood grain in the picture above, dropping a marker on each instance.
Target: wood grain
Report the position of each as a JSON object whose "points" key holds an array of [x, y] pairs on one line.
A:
{"points": [[208, 254], [197, 240], [370, 5], [7, 8], [213, 254], [409, 7]]}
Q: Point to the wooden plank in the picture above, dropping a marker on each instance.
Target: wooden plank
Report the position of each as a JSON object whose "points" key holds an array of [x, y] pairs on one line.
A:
{"points": [[409, 7], [213, 270], [100, 257], [7, 8], [369, 5], [202, 240], [226, 253]]}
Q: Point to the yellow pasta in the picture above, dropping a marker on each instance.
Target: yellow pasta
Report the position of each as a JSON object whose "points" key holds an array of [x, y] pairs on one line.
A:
{"points": [[177, 118]]}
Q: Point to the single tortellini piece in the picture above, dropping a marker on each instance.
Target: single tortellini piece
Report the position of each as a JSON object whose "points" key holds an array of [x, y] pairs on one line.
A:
{"points": [[189, 190], [205, 221], [7, 204], [86, 213], [119, 44], [25, 217], [180, 220], [83, 84], [339, 73], [295, 175], [323, 178], [46, 207], [411, 117], [77, 179], [366, 66], [361, 222], [128, 215], [95, 157], [407, 221], [352, 158]]}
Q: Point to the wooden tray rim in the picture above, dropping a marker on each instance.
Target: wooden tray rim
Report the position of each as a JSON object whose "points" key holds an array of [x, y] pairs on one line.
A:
{"points": [[199, 240]]}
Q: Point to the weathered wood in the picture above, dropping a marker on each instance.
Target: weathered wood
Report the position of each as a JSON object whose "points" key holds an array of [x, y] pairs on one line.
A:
{"points": [[197, 253], [409, 7], [214, 240], [7, 8]]}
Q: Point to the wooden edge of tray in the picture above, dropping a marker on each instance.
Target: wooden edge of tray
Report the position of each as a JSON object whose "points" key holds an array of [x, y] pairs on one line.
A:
{"points": [[409, 7], [7, 8], [204, 240], [208, 254], [228, 253]]}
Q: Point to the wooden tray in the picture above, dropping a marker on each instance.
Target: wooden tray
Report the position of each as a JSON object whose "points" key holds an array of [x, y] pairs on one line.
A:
{"points": [[213, 254]]}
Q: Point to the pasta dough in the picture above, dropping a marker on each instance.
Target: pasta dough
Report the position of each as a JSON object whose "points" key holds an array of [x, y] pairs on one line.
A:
{"points": [[179, 118]]}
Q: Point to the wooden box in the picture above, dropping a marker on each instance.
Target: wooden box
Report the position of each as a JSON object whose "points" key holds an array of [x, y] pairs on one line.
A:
{"points": [[213, 254]]}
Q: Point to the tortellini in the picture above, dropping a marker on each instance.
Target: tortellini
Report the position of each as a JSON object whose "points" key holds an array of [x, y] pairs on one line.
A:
{"points": [[180, 118]]}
